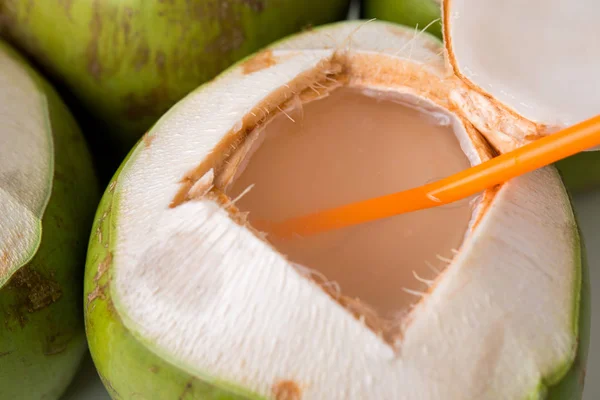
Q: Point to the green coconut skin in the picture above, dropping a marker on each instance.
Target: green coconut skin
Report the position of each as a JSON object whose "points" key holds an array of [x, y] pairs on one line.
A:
{"points": [[42, 337], [129, 61], [414, 13]]}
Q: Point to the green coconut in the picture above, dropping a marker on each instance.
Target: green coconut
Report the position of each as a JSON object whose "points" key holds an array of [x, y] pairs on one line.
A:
{"points": [[185, 299], [421, 14], [129, 61], [580, 172], [48, 193]]}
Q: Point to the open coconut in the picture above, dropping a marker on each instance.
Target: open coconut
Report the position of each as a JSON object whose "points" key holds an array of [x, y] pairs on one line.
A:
{"points": [[483, 299], [48, 192]]}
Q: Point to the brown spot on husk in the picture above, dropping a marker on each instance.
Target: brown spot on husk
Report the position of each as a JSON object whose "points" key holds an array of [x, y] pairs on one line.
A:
{"points": [[148, 139], [155, 369], [98, 231], [159, 61], [100, 290], [56, 344], [110, 307], [103, 266], [97, 293], [231, 35], [187, 389], [231, 39], [99, 235], [5, 353], [307, 27], [262, 60], [126, 23], [148, 104], [66, 5], [287, 390], [111, 187], [141, 57], [37, 292], [255, 5], [93, 63]]}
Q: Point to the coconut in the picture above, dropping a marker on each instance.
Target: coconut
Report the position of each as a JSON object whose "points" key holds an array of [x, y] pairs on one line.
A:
{"points": [[48, 192], [129, 61], [421, 14], [482, 299]]}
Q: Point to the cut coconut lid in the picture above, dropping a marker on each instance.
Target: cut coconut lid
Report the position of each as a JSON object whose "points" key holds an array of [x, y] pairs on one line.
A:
{"points": [[26, 165], [538, 57]]}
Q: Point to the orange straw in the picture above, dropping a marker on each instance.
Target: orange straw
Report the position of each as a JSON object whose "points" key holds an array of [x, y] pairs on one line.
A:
{"points": [[540, 153]]}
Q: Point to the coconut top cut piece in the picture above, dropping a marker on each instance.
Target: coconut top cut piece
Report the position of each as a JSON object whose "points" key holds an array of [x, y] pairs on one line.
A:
{"points": [[204, 291], [536, 57], [26, 163]]}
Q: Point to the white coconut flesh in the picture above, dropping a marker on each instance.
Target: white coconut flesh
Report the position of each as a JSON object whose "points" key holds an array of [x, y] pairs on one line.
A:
{"points": [[26, 164], [536, 57], [199, 287]]}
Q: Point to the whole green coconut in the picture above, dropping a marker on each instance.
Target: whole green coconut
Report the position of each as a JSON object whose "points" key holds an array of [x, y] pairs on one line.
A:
{"points": [[48, 193], [129, 61]]}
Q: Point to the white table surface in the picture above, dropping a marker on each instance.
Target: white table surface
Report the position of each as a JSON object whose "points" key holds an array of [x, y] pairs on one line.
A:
{"points": [[87, 385]]}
